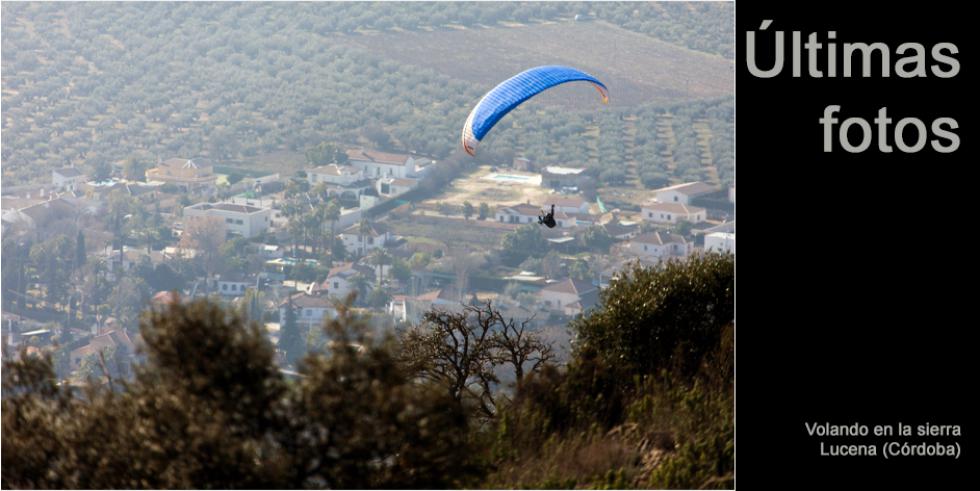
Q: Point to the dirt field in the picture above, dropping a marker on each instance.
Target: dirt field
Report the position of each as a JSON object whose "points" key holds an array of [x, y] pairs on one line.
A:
{"points": [[637, 68], [477, 188]]}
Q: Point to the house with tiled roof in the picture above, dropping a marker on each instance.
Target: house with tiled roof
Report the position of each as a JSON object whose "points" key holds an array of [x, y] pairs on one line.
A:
{"points": [[395, 186], [670, 213], [377, 164], [362, 242], [340, 280], [518, 214], [621, 230], [720, 242], [310, 310], [189, 173], [568, 297], [683, 193], [657, 246], [343, 175], [68, 178], [573, 204], [409, 308], [247, 221], [116, 339]]}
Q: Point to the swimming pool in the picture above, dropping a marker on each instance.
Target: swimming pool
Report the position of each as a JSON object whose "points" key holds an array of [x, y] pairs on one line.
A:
{"points": [[513, 178]]}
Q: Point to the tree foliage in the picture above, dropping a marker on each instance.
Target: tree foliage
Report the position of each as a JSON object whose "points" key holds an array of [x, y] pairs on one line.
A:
{"points": [[522, 243], [291, 340], [210, 409], [461, 351], [658, 319], [676, 410]]}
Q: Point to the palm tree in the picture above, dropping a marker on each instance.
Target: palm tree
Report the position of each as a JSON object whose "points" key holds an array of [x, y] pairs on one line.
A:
{"points": [[362, 230], [360, 284], [332, 213], [380, 257]]}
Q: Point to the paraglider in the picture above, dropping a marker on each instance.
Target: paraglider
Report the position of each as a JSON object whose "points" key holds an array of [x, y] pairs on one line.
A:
{"points": [[514, 91], [547, 219]]}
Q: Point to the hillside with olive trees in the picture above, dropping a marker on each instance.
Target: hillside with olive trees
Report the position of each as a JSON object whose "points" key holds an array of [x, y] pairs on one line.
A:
{"points": [[257, 84]]}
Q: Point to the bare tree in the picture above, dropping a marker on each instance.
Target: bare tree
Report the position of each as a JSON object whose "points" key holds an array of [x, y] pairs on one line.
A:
{"points": [[455, 350], [205, 235], [515, 345], [461, 351], [463, 264]]}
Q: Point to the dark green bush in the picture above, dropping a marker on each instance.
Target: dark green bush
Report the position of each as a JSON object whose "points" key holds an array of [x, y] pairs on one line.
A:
{"points": [[210, 409], [652, 319]]}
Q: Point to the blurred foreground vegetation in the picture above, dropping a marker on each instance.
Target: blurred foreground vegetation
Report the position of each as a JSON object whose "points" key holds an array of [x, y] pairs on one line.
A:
{"points": [[646, 401]]}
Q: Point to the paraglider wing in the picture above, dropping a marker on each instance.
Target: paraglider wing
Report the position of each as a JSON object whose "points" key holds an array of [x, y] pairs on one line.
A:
{"points": [[514, 91]]}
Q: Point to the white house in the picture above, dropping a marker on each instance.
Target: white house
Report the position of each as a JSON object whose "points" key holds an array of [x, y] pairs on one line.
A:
{"points": [[68, 178], [244, 220], [682, 193], [393, 186], [662, 212], [340, 281], [567, 220], [184, 172], [622, 230], [272, 251], [231, 288], [653, 246], [569, 204], [375, 164], [522, 213], [361, 243], [408, 308], [569, 297], [121, 262], [720, 242], [344, 175], [310, 310]]}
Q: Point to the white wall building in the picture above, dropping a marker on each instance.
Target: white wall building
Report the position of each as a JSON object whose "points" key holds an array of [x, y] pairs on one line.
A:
{"points": [[360, 243], [655, 247], [720, 242], [569, 297], [231, 288], [310, 310], [244, 220], [375, 164], [522, 213], [344, 175], [660, 212], [68, 178], [682, 193], [340, 281], [392, 186], [569, 204]]}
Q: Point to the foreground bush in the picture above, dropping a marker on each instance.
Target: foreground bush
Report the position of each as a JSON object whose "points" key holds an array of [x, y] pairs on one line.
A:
{"points": [[645, 401], [648, 398], [210, 409]]}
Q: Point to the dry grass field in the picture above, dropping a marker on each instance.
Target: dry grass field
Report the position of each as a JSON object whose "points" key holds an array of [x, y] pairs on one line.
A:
{"points": [[476, 188], [637, 68]]}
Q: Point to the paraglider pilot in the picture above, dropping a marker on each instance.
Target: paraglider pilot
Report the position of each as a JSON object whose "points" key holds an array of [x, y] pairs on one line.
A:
{"points": [[548, 219]]}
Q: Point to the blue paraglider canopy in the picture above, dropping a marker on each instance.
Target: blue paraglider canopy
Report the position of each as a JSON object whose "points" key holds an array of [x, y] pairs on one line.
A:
{"points": [[514, 91]]}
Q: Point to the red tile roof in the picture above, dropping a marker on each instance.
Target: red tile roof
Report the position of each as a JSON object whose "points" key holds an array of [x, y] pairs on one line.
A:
{"points": [[696, 188], [678, 208], [656, 239], [377, 156], [575, 287]]}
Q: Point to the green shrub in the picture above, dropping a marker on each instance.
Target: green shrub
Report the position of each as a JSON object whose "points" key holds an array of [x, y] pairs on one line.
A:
{"points": [[651, 319], [210, 409]]}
